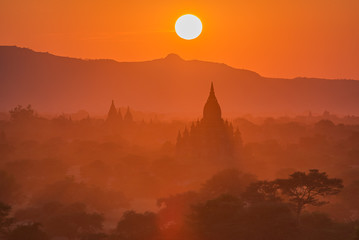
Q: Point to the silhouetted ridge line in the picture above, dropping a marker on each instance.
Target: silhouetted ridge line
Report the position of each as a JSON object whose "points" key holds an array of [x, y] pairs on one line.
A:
{"points": [[173, 57], [52, 83]]}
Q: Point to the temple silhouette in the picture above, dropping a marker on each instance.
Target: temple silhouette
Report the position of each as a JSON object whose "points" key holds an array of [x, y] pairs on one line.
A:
{"points": [[211, 140], [114, 116]]}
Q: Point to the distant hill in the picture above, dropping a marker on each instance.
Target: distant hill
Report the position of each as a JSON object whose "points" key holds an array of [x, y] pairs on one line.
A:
{"points": [[169, 85]]}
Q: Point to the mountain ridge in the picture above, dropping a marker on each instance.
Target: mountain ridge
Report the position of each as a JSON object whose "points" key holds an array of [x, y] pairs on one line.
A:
{"points": [[168, 85]]}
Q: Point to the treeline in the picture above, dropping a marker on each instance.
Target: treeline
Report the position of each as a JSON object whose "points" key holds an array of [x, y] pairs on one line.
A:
{"points": [[230, 205], [66, 179]]}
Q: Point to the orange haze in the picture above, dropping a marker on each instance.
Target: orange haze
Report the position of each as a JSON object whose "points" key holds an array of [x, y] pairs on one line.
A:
{"points": [[278, 38]]}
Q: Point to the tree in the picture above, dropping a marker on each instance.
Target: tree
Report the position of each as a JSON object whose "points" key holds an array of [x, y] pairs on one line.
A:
{"points": [[31, 231], [356, 234], [319, 226], [137, 226], [20, 113], [219, 218], [269, 220], [5, 220], [227, 218], [73, 222], [228, 181], [309, 189], [261, 191], [9, 188], [349, 197]]}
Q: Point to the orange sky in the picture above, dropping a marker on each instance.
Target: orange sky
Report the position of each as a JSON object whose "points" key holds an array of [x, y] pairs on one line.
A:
{"points": [[277, 38]]}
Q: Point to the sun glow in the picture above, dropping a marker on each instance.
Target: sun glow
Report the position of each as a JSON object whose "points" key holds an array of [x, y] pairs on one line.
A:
{"points": [[188, 27]]}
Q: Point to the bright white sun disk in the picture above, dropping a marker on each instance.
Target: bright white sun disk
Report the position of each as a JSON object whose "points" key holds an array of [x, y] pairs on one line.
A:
{"points": [[188, 26]]}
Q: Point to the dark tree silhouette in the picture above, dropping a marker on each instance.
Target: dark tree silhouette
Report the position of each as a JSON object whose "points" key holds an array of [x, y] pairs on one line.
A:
{"points": [[227, 218], [356, 235], [219, 218], [74, 222], [269, 220], [31, 231], [5, 220], [228, 181], [137, 226], [20, 113], [349, 196], [9, 188], [261, 191], [309, 189], [319, 226]]}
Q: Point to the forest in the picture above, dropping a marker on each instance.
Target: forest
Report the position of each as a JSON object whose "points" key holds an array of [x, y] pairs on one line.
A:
{"points": [[89, 179]]}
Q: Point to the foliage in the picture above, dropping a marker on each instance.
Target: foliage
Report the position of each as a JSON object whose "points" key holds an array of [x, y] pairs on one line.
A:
{"points": [[219, 218], [74, 221], [228, 181], [261, 191], [319, 226], [227, 218], [5, 221], [20, 113], [30, 231], [270, 220], [309, 189], [356, 234], [9, 188], [137, 226], [71, 221]]}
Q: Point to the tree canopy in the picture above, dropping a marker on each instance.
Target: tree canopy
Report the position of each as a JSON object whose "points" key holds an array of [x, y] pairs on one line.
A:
{"points": [[309, 188]]}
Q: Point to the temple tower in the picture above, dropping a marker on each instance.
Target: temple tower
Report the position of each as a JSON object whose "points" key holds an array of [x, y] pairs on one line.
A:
{"points": [[210, 141]]}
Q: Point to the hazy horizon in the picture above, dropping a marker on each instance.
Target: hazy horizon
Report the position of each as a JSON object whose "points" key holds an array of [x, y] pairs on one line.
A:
{"points": [[280, 39], [169, 85], [299, 75], [182, 119]]}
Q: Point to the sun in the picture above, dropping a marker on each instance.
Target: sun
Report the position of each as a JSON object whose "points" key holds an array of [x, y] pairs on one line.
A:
{"points": [[188, 26]]}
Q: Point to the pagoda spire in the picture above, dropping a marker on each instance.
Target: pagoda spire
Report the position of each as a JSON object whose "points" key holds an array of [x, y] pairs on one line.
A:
{"points": [[128, 116], [212, 89], [212, 110], [112, 113]]}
